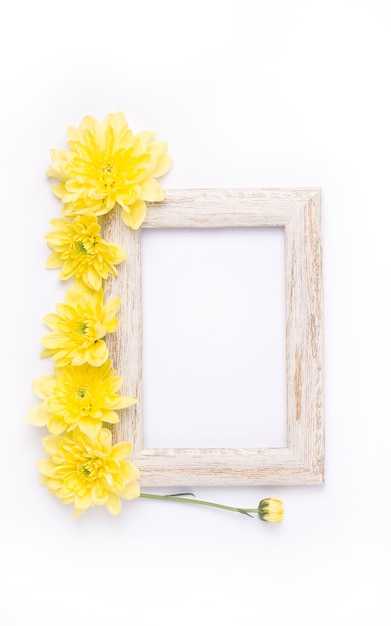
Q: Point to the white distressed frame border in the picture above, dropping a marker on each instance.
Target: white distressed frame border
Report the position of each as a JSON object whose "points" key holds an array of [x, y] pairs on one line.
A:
{"points": [[302, 461]]}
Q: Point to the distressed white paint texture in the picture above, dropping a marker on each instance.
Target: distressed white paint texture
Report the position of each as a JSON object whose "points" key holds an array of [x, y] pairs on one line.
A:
{"points": [[214, 337]]}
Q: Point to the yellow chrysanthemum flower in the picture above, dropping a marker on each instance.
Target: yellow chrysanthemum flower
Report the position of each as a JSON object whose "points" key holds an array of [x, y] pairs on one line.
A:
{"points": [[78, 328], [271, 510], [81, 397], [81, 252], [88, 472], [108, 165]]}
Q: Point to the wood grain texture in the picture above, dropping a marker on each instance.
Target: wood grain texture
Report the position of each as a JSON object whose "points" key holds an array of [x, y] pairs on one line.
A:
{"points": [[302, 461]]}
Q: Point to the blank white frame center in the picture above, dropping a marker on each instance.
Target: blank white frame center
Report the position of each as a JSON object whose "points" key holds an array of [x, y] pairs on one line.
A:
{"points": [[213, 306], [301, 460]]}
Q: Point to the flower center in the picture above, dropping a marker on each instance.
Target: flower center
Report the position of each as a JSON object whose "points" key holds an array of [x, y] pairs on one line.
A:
{"points": [[81, 392], [89, 468], [80, 248], [107, 168], [108, 174], [82, 328], [81, 400]]}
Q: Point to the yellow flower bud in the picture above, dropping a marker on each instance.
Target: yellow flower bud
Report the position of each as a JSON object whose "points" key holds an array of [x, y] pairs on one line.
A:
{"points": [[271, 510]]}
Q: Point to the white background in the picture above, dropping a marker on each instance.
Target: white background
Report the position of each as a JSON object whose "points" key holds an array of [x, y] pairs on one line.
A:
{"points": [[247, 94]]}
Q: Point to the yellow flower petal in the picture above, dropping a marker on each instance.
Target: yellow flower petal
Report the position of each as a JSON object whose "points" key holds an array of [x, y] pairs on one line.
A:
{"points": [[83, 501], [122, 402], [151, 191], [92, 278], [56, 425], [54, 261], [43, 386], [51, 320], [45, 467], [131, 491], [51, 445], [95, 355], [90, 427], [104, 438], [135, 218], [78, 513], [163, 165], [121, 451], [113, 504], [99, 493], [38, 415], [111, 308]]}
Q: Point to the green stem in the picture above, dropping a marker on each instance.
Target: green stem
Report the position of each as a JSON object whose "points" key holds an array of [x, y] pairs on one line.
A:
{"points": [[203, 502]]}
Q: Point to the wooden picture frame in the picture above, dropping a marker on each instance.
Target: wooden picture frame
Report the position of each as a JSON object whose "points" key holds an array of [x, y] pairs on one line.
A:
{"points": [[302, 460]]}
